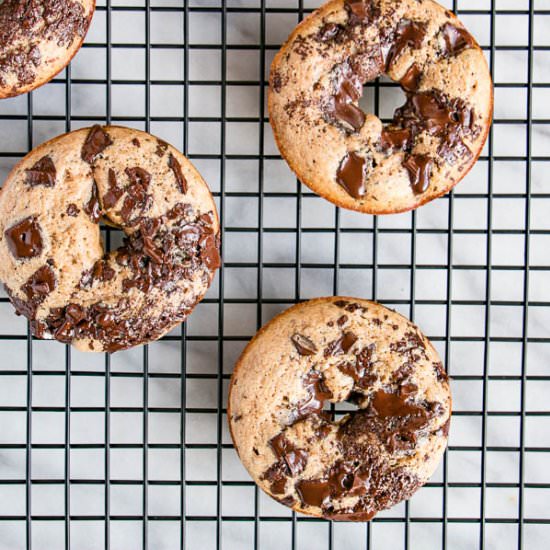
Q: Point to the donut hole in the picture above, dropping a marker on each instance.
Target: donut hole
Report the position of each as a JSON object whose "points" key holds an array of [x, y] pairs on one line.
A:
{"points": [[382, 97]]}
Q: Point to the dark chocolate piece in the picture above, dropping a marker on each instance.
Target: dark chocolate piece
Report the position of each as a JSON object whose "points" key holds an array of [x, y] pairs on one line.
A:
{"points": [[40, 284], [351, 175], [314, 382], [395, 138], [95, 143], [24, 239], [341, 345], [295, 459], [408, 34], [42, 173], [456, 40], [114, 193], [303, 345], [419, 168], [92, 207], [175, 166], [411, 79]]}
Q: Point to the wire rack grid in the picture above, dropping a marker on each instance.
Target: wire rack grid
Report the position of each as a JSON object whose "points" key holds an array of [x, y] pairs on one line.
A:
{"points": [[131, 451]]}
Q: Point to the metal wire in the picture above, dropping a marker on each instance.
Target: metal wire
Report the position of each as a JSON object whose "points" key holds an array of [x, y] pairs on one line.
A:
{"points": [[222, 491]]}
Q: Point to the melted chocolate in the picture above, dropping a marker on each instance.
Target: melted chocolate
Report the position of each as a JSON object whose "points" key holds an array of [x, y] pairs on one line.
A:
{"points": [[360, 369], [95, 143], [411, 79], [175, 166], [42, 173], [314, 382], [92, 207], [456, 40], [361, 11], [343, 106], [395, 138], [419, 168], [136, 197], [352, 174], [303, 345], [24, 239], [341, 345], [40, 284], [114, 193], [408, 34], [294, 458]]}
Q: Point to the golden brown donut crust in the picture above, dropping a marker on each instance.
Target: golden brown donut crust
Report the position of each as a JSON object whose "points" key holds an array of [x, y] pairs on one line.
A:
{"points": [[320, 70], [330, 350]]}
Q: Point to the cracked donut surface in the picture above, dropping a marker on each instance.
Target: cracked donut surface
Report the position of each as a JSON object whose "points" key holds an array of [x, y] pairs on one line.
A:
{"points": [[38, 38], [53, 263], [351, 157], [381, 449]]}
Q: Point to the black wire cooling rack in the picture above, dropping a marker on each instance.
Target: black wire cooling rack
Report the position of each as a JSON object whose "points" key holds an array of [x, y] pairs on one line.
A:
{"points": [[131, 451]]}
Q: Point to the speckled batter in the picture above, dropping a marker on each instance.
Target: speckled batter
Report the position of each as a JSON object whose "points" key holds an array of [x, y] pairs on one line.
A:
{"points": [[52, 261], [350, 157], [38, 38], [331, 350]]}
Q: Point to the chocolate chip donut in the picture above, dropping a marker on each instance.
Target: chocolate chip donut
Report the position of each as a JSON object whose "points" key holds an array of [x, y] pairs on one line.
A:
{"points": [[332, 350], [38, 38], [52, 260], [350, 157]]}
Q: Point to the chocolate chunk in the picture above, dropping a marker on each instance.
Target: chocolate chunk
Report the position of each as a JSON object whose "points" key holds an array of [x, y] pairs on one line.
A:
{"points": [[395, 139], [361, 369], [342, 320], [351, 175], [328, 31], [361, 11], [342, 480], [342, 106], [408, 34], [92, 207], [114, 193], [24, 239], [341, 345], [100, 271], [313, 492], [419, 168], [40, 284], [303, 345], [161, 147], [42, 173], [136, 195], [175, 166], [314, 382], [295, 459], [136, 142], [411, 79], [72, 210], [96, 142], [456, 40], [277, 475]]}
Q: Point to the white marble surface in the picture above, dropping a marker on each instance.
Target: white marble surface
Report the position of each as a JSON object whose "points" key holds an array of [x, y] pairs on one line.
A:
{"points": [[127, 387]]}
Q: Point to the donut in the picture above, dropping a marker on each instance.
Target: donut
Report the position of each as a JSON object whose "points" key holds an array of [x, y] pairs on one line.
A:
{"points": [[38, 38], [52, 260], [351, 157], [332, 350]]}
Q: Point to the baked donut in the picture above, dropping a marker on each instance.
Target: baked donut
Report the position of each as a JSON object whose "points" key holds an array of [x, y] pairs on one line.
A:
{"points": [[52, 261], [331, 350], [350, 157], [38, 38]]}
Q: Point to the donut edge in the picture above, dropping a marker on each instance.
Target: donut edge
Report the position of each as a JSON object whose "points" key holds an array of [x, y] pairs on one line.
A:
{"points": [[351, 203], [7, 93], [239, 364], [52, 141]]}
